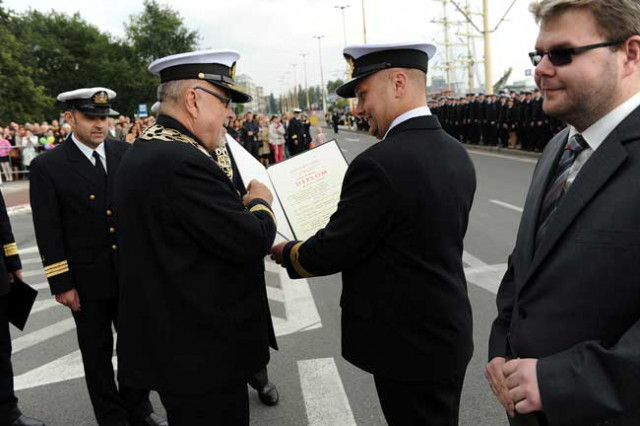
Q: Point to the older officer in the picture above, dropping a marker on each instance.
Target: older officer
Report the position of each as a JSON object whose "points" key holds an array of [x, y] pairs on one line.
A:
{"points": [[71, 198], [397, 239], [10, 268], [194, 321]]}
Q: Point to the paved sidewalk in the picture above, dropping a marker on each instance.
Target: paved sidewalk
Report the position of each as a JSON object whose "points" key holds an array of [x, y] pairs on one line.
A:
{"points": [[16, 194]]}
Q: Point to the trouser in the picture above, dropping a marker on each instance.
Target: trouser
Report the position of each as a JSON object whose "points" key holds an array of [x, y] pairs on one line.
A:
{"points": [[260, 379], [434, 403], [8, 402], [533, 419], [228, 405], [95, 338], [278, 153]]}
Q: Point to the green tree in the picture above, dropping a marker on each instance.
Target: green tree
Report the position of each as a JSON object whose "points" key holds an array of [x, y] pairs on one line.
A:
{"points": [[332, 85], [272, 104], [159, 31], [22, 99]]}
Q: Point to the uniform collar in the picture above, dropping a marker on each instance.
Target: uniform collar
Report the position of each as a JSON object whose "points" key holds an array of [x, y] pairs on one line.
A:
{"points": [[172, 123], [416, 112], [88, 152], [598, 131]]}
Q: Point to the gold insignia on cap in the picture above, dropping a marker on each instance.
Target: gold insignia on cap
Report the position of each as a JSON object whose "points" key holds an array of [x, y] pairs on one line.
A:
{"points": [[201, 75], [100, 98], [233, 71], [351, 64]]}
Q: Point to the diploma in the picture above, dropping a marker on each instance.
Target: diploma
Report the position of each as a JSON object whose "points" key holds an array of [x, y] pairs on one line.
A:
{"points": [[306, 187]]}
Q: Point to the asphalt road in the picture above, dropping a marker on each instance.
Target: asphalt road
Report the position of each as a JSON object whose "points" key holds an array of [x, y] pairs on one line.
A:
{"points": [[317, 386]]}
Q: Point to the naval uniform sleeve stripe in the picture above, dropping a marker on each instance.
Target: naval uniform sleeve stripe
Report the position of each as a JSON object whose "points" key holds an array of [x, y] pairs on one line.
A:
{"points": [[10, 249], [56, 266], [295, 262], [262, 207], [51, 274], [54, 270]]}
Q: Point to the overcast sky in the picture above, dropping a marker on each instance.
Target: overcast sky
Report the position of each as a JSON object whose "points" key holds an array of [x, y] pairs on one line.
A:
{"points": [[270, 35]]}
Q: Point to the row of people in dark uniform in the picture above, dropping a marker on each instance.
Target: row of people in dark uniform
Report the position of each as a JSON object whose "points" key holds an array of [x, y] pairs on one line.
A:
{"points": [[511, 120]]}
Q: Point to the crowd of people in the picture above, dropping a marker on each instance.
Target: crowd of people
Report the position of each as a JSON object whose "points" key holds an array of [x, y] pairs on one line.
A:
{"points": [[512, 119]]}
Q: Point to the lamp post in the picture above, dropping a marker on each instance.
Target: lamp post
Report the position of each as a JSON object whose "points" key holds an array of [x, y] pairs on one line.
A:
{"points": [[344, 25], [295, 86], [306, 88], [364, 24], [324, 93]]}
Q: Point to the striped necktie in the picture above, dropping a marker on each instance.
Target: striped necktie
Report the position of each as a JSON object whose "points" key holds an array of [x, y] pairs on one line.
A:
{"points": [[558, 187]]}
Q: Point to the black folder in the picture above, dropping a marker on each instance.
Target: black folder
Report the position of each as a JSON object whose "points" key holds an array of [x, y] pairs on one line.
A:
{"points": [[21, 299]]}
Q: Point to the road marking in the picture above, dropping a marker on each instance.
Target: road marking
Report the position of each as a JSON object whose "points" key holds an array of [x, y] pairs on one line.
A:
{"points": [[487, 277], [506, 205], [29, 250], [68, 367], [504, 157], [37, 272], [33, 260], [43, 305], [352, 140], [39, 286], [299, 305], [325, 400], [28, 340], [472, 261], [21, 209]]}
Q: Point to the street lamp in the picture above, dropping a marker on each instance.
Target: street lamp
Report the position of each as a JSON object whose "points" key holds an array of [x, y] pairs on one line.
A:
{"points": [[344, 26], [324, 93], [306, 88], [295, 85], [364, 24]]}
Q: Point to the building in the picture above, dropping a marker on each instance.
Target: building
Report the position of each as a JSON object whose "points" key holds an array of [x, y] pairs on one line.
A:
{"points": [[246, 84]]}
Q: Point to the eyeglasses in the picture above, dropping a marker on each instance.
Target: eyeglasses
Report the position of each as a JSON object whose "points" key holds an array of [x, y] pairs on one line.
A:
{"points": [[226, 101], [559, 57]]}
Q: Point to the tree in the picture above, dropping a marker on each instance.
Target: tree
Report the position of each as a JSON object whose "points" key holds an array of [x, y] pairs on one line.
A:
{"points": [[158, 31], [272, 104], [332, 85], [22, 99]]}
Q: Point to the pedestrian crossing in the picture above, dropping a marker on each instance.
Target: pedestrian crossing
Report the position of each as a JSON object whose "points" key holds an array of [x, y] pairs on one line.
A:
{"points": [[293, 308]]}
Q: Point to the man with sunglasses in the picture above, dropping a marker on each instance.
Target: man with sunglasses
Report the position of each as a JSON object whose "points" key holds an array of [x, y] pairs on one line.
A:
{"points": [[194, 317], [565, 347]]}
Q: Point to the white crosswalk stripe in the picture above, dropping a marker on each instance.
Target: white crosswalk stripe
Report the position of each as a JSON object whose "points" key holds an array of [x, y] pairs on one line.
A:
{"points": [[42, 335]]}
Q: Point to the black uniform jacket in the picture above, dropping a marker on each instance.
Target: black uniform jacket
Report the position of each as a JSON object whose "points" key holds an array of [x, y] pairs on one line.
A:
{"points": [[397, 238], [574, 302], [193, 308], [10, 258], [74, 219]]}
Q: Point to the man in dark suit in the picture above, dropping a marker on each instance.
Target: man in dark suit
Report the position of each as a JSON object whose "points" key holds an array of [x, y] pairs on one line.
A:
{"points": [[10, 268], [194, 318], [565, 347], [397, 238], [71, 189], [295, 133]]}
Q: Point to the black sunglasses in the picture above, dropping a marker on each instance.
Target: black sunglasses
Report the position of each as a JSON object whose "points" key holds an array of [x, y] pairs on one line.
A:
{"points": [[559, 57], [226, 101]]}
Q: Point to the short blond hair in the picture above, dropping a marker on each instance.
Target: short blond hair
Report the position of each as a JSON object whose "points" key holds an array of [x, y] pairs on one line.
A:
{"points": [[616, 19]]}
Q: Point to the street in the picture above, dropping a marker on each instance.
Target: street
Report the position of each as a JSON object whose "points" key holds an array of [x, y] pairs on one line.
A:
{"points": [[317, 387]]}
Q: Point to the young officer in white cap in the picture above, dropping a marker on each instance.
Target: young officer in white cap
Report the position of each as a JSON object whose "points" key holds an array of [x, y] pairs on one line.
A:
{"points": [[397, 238], [72, 201], [194, 316]]}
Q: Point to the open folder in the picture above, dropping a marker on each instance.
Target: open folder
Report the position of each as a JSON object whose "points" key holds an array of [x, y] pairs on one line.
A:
{"points": [[21, 299], [306, 188]]}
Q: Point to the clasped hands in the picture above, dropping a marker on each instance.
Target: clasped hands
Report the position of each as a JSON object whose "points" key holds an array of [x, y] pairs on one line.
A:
{"points": [[515, 384]]}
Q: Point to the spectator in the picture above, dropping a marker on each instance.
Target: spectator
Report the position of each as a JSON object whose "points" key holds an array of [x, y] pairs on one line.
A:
{"points": [[263, 140], [276, 138], [29, 144], [5, 149]]}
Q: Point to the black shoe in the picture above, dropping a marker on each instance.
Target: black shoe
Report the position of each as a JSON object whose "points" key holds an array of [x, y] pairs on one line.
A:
{"points": [[269, 394], [151, 420], [27, 421]]}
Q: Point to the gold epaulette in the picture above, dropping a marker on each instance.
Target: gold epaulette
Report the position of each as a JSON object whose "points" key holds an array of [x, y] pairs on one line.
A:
{"points": [[10, 249], [171, 135], [56, 269], [224, 161], [262, 207]]}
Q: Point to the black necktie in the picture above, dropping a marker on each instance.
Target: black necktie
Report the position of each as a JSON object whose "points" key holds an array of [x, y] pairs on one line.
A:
{"points": [[101, 172]]}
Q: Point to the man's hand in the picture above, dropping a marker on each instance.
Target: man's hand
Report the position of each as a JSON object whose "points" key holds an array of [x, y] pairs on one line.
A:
{"points": [[70, 299], [255, 190], [522, 381], [497, 380], [15, 274], [277, 252]]}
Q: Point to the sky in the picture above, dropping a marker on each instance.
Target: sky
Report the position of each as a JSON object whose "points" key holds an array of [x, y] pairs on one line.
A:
{"points": [[271, 35]]}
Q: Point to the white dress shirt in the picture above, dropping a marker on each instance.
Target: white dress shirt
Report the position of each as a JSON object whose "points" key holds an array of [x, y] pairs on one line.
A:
{"points": [[416, 112], [88, 152], [595, 134]]}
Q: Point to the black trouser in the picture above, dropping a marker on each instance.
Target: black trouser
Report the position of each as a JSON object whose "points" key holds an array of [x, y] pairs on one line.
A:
{"points": [[228, 405], [95, 338], [434, 403], [8, 401], [260, 379], [533, 419]]}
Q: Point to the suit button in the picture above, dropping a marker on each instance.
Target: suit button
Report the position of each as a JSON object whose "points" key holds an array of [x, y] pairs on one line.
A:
{"points": [[92, 197], [115, 247], [109, 212], [112, 230]]}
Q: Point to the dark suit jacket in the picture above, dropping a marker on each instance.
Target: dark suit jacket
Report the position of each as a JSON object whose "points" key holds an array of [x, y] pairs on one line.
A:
{"points": [[9, 254], [73, 219], [397, 239], [193, 308], [574, 303]]}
